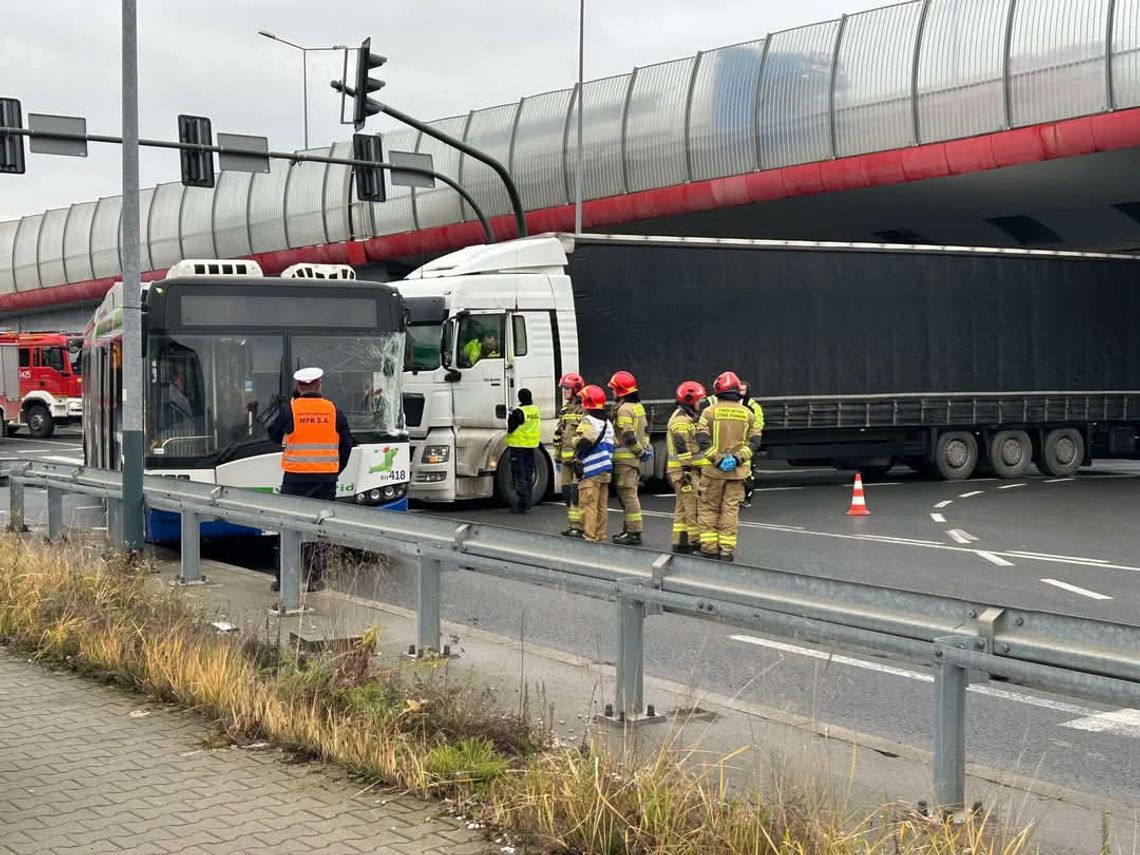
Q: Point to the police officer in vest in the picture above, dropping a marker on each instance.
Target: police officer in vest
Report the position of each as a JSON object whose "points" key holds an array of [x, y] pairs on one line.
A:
{"points": [[317, 443], [524, 432]]}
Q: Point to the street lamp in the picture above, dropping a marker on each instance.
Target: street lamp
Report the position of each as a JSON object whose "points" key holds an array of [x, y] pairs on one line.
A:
{"points": [[304, 70]]}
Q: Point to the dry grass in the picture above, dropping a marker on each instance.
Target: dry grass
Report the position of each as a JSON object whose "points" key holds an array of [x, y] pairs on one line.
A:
{"points": [[410, 725]]}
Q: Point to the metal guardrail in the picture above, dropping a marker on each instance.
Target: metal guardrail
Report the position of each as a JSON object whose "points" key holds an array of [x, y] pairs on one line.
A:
{"points": [[1099, 660]]}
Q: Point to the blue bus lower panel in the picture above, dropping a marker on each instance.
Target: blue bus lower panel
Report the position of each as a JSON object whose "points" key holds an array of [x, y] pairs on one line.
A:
{"points": [[166, 526]]}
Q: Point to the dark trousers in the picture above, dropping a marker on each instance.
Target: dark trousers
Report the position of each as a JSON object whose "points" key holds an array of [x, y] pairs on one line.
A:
{"points": [[522, 474], [314, 556]]}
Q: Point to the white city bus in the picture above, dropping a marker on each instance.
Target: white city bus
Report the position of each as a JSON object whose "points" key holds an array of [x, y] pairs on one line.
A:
{"points": [[221, 343]]}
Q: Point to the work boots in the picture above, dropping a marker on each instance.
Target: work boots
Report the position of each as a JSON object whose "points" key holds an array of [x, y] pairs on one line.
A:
{"points": [[726, 555], [628, 538], [575, 533], [683, 547]]}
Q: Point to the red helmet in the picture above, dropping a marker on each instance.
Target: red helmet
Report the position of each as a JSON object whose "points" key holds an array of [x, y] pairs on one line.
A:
{"points": [[593, 398], [726, 382], [690, 393], [573, 382], [623, 383]]}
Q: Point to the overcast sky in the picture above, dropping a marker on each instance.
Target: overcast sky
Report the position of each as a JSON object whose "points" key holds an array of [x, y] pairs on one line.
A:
{"points": [[445, 57]]}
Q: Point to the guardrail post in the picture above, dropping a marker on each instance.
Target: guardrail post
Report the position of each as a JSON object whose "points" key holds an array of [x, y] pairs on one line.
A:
{"points": [[15, 505], [631, 622], [55, 513], [191, 567], [115, 521], [950, 682], [289, 572], [427, 607]]}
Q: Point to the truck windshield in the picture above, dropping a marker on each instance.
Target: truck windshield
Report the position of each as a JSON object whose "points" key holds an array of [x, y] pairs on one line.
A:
{"points": [[424, 353]]}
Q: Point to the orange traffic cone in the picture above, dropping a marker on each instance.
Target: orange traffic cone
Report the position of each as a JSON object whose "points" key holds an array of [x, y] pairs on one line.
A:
{"points": [[858, 502]]}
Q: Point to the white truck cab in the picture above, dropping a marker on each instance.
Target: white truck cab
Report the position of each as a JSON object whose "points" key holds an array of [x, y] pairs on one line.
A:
{"points": [[486, 321]]}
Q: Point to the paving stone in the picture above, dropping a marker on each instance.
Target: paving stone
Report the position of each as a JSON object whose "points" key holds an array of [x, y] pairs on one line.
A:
{"points": [[80, 775]]}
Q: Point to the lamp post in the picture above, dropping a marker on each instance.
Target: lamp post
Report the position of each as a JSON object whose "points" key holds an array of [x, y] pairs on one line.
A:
{"points": [[304, 70]]}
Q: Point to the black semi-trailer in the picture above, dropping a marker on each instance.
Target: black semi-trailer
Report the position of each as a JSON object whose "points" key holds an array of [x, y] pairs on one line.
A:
{"points": [[863, 355]]}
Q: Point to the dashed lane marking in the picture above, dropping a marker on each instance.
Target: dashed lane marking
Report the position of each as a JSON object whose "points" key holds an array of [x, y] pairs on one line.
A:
{"points": [[1059, 480], [894, 671], [1011, 486], [938, 518], [945, 504], [971, 494], [1118, 722], [994, 559], [960, 536], [1084, 592]]}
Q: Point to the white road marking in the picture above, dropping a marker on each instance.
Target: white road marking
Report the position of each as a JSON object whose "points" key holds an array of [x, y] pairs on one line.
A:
{"points": [[1011, 486], [1124, 722], [971, 493], [1048, 556], [1059, 480], [894, 671], [55, 458], [938, 518], [994, 559], [961, 536], [945, 504], [1084, 592], [774, 489], [880, 484]]}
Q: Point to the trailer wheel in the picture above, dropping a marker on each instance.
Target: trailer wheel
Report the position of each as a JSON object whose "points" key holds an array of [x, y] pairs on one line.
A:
{"points": [[39, 421], [1011, 452], [504, 484], [956, 455], [1062, 452]]}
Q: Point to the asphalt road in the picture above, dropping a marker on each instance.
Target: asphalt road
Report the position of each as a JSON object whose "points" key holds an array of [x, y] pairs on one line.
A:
{"points": [[1060, 545]]}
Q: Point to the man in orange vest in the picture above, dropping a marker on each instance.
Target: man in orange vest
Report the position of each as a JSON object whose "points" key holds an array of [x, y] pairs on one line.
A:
{"points": [[317, 443]]}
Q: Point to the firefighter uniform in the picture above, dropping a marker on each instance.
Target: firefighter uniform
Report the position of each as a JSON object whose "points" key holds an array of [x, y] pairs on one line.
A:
{"points": [[758, 413], [594, 463], [631, 427], [565, 440], [684, 478], [726, 433]]}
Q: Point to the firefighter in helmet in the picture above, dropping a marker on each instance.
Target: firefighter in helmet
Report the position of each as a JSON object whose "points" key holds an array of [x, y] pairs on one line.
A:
{"points": [[632, 431], [593, 463], [682, 469], [565, 440], [728, 437]]}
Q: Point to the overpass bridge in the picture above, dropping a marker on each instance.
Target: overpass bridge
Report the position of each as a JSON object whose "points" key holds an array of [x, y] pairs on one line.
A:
{"points": [[981, 122]]}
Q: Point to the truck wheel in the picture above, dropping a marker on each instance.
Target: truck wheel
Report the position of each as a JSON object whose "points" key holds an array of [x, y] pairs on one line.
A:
{"points": [[1062, 452], [956, 455], [1011, 452], [504, 484], [39, 421]]}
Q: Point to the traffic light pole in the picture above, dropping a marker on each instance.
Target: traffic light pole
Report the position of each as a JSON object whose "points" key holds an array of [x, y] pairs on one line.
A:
{"points": [[295, 157], [500, 170], [132, 443]]}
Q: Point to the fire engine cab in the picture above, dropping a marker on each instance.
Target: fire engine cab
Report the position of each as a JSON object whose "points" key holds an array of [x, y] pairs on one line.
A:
{"points": [[48, 371]]}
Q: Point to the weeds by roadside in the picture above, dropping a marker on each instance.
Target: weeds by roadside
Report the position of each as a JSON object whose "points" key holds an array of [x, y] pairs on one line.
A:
{"points": [[410, 724]]}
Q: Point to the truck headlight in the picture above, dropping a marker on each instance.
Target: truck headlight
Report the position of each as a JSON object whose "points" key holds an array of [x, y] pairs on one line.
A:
{"points": [[436, 454]]}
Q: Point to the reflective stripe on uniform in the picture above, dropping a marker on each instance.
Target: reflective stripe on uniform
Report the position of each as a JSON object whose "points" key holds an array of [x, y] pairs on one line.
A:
{"points": [[314, 445]]}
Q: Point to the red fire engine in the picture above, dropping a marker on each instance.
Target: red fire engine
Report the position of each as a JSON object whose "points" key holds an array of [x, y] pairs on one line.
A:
{"points": [[50, 392]]}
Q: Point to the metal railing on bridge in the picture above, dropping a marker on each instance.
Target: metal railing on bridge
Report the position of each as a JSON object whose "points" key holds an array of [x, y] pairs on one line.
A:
{"points": [[1095, 659]]}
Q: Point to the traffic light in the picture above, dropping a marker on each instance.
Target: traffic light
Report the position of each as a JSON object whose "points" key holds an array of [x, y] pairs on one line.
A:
{"points": [[369, 179], [197, 166], [11, 145], [363, 84]]}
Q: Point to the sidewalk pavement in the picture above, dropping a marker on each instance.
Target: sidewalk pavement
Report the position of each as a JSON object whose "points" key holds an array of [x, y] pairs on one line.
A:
{"points": [[858, 771], [88, 768]]}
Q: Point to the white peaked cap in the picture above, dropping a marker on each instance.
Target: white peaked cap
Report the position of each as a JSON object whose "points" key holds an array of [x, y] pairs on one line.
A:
{"points": [[308, 375]]}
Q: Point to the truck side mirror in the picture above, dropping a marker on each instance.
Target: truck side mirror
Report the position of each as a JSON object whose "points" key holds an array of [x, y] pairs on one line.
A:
{"points": [[451, 376]]}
